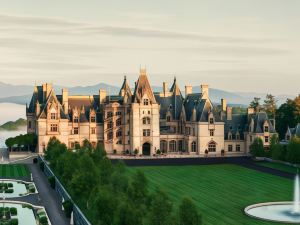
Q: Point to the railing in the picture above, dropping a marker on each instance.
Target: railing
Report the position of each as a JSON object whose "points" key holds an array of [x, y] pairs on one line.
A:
{"points": [[78, 217]]}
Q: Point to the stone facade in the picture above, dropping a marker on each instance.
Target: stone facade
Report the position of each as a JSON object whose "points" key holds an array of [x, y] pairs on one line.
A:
{"points": [[143, 122]]}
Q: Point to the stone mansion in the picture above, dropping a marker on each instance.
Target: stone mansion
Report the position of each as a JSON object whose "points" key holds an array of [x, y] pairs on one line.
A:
{"points": [[139, 120]]}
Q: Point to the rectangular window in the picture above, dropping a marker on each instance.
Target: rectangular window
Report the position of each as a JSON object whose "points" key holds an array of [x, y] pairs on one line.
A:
{"points": [[230, 148], [53, 116], [93, 130], [93, 119], [53, 128], [75, 130], [109, 114], [29, 124], [187, 130], [266, 139], [119, 113], [211, 133], [250, 138], [266, 129], [146, 101], [146, 132], [211, 120], [238, 148], [76, 119]]}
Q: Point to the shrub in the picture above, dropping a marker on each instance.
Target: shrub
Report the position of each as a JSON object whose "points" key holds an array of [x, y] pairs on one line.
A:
{"points": [[35, 160], [52, 181], [10, 185], [136, 151], [27, 206], [9, 191], [158, 152], [42, 166], [115, 151], [43, 220], [14, 221], [32, 189], [13, 211], [68, 206]]}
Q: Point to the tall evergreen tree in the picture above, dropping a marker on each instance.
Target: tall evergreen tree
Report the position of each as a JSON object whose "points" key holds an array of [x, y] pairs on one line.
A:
{"points": [[270, 105], [255, 103]]}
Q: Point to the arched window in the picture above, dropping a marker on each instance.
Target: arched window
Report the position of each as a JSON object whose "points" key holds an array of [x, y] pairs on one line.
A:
{"points": [[119, 133], [194, 146], [163, 146], [146, 120], [119, 122], [212, 146], [172, 146], [180, 145]]}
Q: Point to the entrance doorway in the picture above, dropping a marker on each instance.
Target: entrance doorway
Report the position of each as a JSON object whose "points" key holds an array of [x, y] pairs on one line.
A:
{"points": [[146, 148]]}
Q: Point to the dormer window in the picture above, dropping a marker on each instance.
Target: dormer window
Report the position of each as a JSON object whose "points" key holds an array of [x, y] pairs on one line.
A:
{"points": [[93, 119], [238, 136], [288, 137], [53, 116], [229, 136], [211, 120], [146, 101], [266, 128], [168, 118], [76, 119]]}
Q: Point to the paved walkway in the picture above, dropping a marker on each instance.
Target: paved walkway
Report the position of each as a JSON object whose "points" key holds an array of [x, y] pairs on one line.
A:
{"points": [[49, 198]]}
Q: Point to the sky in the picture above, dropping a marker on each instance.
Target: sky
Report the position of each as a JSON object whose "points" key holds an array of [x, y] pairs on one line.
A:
{"points": [[235, 45]]}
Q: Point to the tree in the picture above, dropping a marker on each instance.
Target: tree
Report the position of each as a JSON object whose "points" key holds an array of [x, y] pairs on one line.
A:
{"points": [[160, 209], [287, 115], [188, 213], [257, 148], [293, 151], [255, 103], [270, 105], [128, 214], [139, 182]]}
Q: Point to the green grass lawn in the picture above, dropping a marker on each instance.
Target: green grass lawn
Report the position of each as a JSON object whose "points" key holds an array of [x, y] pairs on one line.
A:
{"points": [[13, 171], [279, 166], [220, 191]]}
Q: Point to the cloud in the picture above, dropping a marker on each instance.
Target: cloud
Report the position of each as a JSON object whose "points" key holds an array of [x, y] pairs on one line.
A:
{"points": [[53, 26]]}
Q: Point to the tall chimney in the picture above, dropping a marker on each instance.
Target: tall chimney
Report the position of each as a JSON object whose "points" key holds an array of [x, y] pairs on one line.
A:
{"points": [[165, 88], [188, 90], [102, 96], [204, 91], [65, 100], [229, 113], [46, 90], [223, 104]]}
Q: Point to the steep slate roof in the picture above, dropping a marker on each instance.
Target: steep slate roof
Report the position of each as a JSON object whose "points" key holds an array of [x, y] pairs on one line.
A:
{"points": [[143, 87], [259, 119], [172, 103], [238, 123], [125, 88]]}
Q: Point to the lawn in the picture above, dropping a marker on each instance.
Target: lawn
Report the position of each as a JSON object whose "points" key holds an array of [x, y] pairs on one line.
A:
{"points": [[220, 191], [279, 166], [13, 171]]}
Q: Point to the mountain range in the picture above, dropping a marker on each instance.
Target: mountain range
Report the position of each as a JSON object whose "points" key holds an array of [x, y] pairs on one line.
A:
{"points": [[21, 94]]}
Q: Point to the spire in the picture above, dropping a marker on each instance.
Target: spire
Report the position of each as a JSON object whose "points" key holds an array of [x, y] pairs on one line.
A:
{"points": [[125, 89], [175, 88], [143, 87]]}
